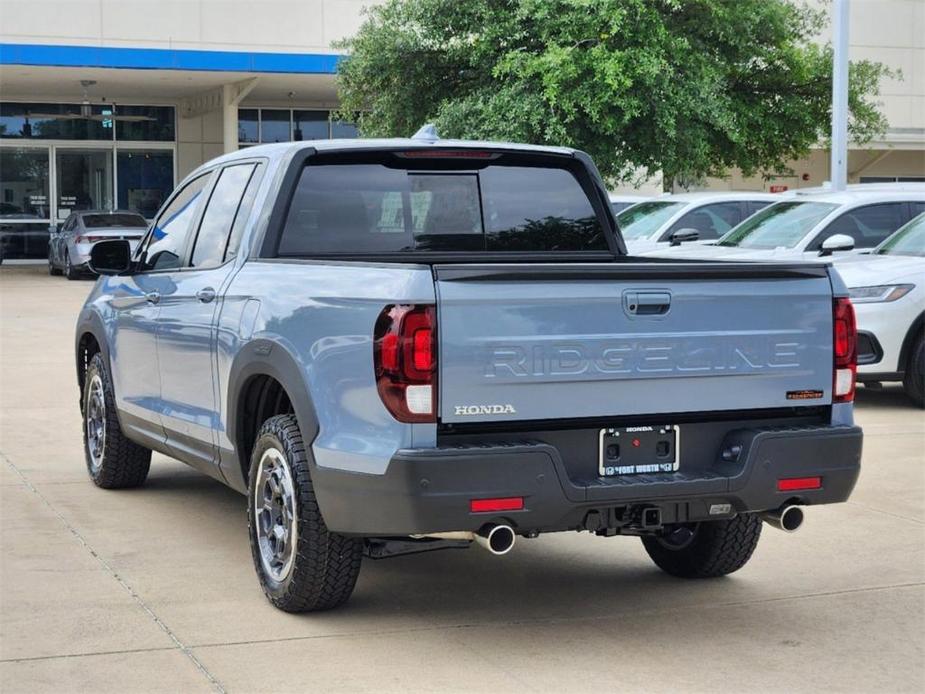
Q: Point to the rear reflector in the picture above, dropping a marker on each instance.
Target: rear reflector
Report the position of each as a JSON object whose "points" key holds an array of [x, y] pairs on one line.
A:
{"points": [[511, 503], [794, 484]]}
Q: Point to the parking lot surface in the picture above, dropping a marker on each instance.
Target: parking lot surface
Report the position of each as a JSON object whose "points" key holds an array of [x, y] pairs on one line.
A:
{"points": [[153, 589]]}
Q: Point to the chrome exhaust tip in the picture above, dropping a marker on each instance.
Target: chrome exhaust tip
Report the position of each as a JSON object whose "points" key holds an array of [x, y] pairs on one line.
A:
{"points": [[787, 518], [497, 539]]}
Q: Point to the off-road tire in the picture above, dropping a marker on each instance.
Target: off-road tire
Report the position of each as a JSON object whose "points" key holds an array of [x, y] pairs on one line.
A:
{"points": [[717, 548], [124, 463], [914, 378], [326, 565]]}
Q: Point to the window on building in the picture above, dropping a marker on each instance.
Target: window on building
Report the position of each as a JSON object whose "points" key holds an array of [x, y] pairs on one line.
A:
{"points": [[145, 179], [262, 125], [151, 123], [24, 184], [248, 125], [310, 125], [344, 129], [40, 121], [84, 180], [275, 125]]}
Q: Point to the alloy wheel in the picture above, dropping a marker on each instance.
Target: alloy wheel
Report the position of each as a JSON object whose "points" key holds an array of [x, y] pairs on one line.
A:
{"points": [[275, 514], [96, 422]]}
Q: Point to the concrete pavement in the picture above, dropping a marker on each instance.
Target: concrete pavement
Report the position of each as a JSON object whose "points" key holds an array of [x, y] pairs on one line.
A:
{"points": [[153, 589]]}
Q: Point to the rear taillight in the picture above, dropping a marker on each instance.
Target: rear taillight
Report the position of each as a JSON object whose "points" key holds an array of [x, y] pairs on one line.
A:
{"points": [[88, 239], [405, 359], [845, 347]]}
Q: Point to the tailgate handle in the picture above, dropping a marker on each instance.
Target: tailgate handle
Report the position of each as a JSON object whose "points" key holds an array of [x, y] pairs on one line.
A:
{"points": [[646, 303]]}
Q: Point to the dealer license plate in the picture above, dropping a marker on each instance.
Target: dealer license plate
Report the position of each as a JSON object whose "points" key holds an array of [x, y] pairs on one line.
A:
{"points": [[639, 450]]}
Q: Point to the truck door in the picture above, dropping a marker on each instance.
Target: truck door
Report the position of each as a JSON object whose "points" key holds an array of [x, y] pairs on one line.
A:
{"points": [[189, 305]]}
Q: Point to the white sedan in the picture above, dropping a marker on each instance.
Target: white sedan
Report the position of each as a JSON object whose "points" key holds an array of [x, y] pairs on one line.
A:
{"points": [[888, 292]]}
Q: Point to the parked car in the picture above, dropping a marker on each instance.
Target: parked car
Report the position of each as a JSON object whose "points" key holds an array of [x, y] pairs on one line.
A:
{"points": [[69, 247], [619, 202], [687, 217], [393, 346], [887, 288], [814, 225]]}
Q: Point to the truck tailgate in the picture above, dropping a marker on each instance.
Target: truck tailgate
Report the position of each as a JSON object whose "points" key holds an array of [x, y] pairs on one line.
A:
{"points": [[562, 341]]}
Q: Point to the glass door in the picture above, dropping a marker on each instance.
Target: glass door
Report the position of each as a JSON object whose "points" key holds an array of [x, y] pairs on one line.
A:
{"points": [[84, 180]]}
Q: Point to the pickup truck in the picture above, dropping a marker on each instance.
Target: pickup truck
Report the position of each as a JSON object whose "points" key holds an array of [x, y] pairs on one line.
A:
{"points": [[393, 346]]}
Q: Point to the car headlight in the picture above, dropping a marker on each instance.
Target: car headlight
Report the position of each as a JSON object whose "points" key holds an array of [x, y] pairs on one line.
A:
{"points": [[882, 292]]}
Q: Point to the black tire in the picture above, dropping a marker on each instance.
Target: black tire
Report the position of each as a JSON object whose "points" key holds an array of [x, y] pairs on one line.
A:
{"points": [[708, 549], [52, 269], [324, 565], [117, 462], [69, 270], [914, 378]]}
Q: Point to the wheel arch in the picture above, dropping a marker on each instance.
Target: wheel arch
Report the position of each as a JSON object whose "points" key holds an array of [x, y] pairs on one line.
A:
{"points": [[265, 379], [89, 339], [916, 329]]}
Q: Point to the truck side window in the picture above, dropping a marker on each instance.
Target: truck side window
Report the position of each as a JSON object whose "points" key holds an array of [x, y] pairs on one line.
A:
{"points": [[244, 211], [219, 216], [167, 239], [868, 225]]}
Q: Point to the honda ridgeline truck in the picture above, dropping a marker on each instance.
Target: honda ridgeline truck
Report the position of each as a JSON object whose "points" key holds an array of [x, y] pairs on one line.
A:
{"points": [[392, 346]]}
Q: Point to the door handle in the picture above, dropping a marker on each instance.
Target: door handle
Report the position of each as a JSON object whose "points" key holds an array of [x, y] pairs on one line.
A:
{"points": [[646, 303], [153, 297], [205, 295]]}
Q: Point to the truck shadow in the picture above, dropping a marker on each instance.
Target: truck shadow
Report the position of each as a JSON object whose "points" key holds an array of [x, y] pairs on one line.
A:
{"points": [[557, 576]]}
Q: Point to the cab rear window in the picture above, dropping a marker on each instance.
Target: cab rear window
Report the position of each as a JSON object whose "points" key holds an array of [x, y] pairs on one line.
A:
{"points": [[390, 204]]}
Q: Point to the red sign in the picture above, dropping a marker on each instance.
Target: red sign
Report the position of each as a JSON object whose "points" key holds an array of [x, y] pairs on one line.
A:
{"points": [[779, 189]]}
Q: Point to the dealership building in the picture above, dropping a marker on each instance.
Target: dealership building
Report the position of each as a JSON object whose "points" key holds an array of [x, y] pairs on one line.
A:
{"points": [[107, 104]]}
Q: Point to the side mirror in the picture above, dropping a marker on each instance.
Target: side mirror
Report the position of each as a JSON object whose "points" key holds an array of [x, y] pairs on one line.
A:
{"points": [[111, 257], [681, 235], [836, 242]]}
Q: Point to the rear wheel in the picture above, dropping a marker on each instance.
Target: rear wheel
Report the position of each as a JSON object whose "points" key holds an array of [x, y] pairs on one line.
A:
{"points": [[301, 565], [705, 550], [113, 461], [914, 378]]}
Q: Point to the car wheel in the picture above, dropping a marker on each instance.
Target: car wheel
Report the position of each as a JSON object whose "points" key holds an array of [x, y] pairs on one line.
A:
{"points": [[301, 565], [69, 270], [52, 269], [914, 378], [705, 550], [113, 461]]}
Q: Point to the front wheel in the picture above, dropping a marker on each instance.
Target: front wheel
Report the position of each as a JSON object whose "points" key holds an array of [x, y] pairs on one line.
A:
{"points": [[705, 550], [914, 378], [113, 461], [301, 565], [69, 270]]}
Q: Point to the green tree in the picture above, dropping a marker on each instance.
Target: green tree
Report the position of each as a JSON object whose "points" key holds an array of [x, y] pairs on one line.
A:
{"points": [[689, 87]]}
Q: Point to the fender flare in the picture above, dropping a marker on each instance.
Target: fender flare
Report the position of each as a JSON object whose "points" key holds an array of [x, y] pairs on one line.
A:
{"points": [[88, 323], [908, 341], [263, 357]]}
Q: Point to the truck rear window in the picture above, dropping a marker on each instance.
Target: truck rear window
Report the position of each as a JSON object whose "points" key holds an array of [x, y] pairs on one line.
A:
{"points": [[391, 205]]}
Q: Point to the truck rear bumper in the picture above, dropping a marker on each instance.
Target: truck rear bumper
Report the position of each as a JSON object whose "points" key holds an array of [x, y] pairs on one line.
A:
{"points": [[430, 490]]}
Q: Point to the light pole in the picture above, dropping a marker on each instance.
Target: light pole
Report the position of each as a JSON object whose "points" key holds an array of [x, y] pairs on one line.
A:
{"points": [[839, 168]]}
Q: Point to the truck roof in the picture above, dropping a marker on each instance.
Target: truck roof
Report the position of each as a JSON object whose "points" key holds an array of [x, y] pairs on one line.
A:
{"points": [[281, 150]]}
